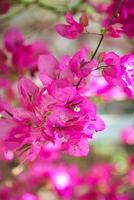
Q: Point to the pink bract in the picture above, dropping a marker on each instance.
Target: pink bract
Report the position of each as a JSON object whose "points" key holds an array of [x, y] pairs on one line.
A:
{"points": [[72, 30], [119, 71], [127, 135]]}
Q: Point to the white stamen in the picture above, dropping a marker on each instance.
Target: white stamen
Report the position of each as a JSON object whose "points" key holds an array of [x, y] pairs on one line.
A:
{"points": [[77, 109]]}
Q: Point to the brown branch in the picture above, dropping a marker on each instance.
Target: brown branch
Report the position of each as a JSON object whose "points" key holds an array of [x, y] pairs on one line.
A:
{"points": [[102, 36]]}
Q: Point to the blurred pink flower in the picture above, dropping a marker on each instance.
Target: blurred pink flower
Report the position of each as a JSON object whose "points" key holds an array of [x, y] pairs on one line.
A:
{"points": [[125, 15], [119, 71], [4, 6], [72, 30], [127, 135]]}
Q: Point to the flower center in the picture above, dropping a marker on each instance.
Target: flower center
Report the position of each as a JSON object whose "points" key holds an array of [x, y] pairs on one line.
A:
{"points": [[77, 109]]}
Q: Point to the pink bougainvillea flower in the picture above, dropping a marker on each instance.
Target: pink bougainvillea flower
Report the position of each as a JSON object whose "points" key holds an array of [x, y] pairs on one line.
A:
{"points": [[72, 30], [102, 90], [28, 91], [114, 30], [80, 64], [68, 70], [29, 196], [113, 71], [55, 114], [102, 183], [127, 62], [119, 71], [48, 68], [13, 39], [131, 177], [4, 6], [127, 135], [21, 58], [24, 54], [100, 173], [58, 113], [125, 15]]}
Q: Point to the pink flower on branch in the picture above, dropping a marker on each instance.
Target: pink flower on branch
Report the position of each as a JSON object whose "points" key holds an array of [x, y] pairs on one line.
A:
{"points": [[56, 114], [125, 16], [73, 29], [114, 30], [127, 135], [24, 55], [119, 71]]}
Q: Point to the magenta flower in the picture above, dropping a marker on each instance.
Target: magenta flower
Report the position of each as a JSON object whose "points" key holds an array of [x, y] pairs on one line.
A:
{"points": [[4, 6], [131, 177], [102, 90], [114, 30], [69, 69], [127, 135], [125, 17], [26, 55], [13, 39], [23, 55], [57, 115], [28, 92], [29, 196], [72, 30], [119, 71], [80, 64], [48, 68], [127, 62]]}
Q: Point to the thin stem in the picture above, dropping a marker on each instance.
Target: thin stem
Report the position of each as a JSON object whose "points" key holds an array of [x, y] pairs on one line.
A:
{"points": [[92, 33], [96, 50], [98, 68], [102, 36], [116, 12], [102, 67]]}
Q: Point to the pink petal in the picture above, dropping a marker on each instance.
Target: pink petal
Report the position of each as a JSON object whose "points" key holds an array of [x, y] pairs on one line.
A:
{"points": [[48, 68], [28, 90], [70, 19], [67, 31], [80, 148], [13, 39]]}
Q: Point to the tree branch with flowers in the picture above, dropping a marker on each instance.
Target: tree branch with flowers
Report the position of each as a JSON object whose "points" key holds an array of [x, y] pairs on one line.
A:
{"points": [[48, 112]]}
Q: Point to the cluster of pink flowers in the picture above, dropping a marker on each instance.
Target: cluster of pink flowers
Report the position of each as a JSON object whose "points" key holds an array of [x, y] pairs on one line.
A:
{"points": [[124, 19], [117, 80], [18, 57], [73, 29], [24, 53], [116, 70], [58, 113], [46, 112], [127, 135], [119, 71], [64, 181]]}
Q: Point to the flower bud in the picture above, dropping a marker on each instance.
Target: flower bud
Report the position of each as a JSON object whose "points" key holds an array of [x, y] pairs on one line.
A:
{"points": [[101, 56], [84, 20]]}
